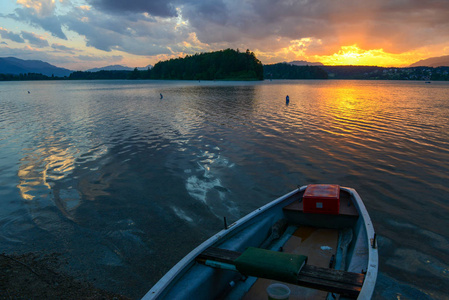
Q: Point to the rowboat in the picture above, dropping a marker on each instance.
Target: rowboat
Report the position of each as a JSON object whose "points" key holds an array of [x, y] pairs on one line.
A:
{"points": [[317, 240]]}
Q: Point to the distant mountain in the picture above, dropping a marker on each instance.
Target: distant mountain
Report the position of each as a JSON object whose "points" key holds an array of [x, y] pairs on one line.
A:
{"points": [[442, 61], [111, 68], [15, 66], [304, 63], [118, 68]]}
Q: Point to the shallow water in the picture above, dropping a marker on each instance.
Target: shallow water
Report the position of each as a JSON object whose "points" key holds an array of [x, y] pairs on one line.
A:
{"points": [[124, 184]]}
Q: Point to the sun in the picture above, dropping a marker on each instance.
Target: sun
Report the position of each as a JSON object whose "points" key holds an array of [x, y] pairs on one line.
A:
{"points": [[355, 56]]}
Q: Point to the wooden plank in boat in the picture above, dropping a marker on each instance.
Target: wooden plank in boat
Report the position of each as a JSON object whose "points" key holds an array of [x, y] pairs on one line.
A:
{"points": [[332, 275], [339, 282]]}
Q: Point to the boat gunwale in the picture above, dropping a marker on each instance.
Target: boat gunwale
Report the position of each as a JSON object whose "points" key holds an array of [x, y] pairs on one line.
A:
{"points": [[373, 259]]}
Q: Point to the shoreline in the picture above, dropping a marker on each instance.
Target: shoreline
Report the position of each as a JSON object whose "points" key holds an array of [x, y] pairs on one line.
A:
{"points": [[34, 276]]}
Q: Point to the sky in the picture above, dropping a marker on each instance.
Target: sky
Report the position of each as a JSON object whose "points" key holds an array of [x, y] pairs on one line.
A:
{"points": [[83, 34]]}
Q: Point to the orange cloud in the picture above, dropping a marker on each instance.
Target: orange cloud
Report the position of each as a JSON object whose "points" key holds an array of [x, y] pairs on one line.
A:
{"points": [[43, 8]]}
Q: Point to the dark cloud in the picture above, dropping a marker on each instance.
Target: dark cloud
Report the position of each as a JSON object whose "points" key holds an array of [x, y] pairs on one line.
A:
{"points": [[8, 35], [94, 27], [91, 58], [47, 21], [160, 8], [138, 36], [34, 39], [216, 12], [143, 46], [63, 48]]}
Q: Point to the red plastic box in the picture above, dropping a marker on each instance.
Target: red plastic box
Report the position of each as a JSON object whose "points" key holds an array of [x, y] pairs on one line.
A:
{"points": [[322, 199]]}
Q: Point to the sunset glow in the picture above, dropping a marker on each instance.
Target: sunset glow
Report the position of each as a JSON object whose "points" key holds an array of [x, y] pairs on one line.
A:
{"points": [[353, 55], [84, 34]]}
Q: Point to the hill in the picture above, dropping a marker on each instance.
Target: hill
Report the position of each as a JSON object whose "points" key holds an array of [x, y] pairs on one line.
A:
{"points": [[289, 71], [226, 64], [442, 61], [118, 68], [16, 66], [305, 63]]}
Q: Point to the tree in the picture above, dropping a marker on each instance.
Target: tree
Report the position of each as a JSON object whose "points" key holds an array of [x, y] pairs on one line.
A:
{"points": [[135, 74]]}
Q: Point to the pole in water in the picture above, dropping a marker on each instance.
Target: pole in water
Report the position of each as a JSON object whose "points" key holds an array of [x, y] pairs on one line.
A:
{"points": [[225, 223]]}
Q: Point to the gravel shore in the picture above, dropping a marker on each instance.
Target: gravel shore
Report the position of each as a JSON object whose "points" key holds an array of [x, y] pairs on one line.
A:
{"points": [[33, 276]]}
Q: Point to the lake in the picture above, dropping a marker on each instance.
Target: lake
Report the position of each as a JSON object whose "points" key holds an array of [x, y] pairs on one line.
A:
{"points": [[122, 184]]}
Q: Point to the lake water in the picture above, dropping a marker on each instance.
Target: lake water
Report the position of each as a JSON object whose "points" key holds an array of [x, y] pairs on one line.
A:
{"points": [[123, 184]]}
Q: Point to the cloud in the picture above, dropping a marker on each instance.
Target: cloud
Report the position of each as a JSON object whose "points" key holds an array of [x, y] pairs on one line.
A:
{"points": [[160, 8], [40, 14], [8, 35], [43, 8], [135, 35], [267, 26], [63, 48], [34, 39], [277, 30], [92, 58]]}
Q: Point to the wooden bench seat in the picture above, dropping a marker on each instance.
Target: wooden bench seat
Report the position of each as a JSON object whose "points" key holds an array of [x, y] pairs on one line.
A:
{"points": [[344, 283]]}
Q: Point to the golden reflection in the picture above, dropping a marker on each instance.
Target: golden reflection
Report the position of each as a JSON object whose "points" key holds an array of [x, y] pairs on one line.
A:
{"points": [[348, 108], [44, 166], [39, 166]]}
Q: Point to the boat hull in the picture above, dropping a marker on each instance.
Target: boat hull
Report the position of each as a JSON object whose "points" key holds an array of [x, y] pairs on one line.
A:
{"points": [[189, 279]]}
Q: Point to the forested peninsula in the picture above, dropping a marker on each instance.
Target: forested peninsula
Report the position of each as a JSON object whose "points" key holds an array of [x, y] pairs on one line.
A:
{"points": [[227, 64]]}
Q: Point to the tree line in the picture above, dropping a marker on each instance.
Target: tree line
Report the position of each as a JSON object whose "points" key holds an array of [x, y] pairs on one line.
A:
{"points": [[226, 64], [289, 71], [103, 74], [28, 76]]}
